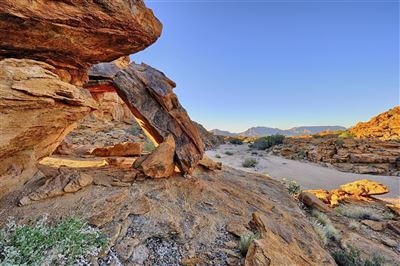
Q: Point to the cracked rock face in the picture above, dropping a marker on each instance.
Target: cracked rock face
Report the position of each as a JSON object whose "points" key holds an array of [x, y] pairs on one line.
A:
{"points": [[37, 111], [74, 34]]}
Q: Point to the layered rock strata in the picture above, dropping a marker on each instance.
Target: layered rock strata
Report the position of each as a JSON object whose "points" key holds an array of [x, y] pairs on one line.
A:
{"points": [[37, 111]]}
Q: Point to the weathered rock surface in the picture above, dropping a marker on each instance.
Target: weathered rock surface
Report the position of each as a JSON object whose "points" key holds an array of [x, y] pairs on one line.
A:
{"points": [[112, 108], [37, 111], [72, 35], [358, 190], [57, 185], [311, 201], [149, 95], [119, 149], [362, 156], [159, 163], [385, 126], [179, 219]]}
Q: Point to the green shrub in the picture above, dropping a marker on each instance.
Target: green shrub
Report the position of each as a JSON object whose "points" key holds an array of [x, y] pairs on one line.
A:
{"points": [[351, 257], [358, 212], [346, 135], [292, 186], [249, 162], [245, 242], [264, 143], [236, 141], [218, 156], [148, 146], [229, 153], [65, 243]]}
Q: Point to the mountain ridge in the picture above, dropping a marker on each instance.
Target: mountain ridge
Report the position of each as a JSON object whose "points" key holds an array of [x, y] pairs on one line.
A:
{"points": [[259, 131]]}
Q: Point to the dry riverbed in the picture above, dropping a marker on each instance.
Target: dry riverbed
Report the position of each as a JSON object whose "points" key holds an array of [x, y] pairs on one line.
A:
{"points": [[308, 175]]}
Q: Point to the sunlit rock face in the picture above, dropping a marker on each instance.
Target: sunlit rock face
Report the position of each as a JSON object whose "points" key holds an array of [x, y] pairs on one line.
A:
{"points": [[74, 34], [37, 111], [385, 126]]}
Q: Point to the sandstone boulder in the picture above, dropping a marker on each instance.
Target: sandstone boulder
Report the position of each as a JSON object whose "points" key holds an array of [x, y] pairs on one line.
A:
{"points": [[357, 190], [160, 163], [120, 149], [72, 35], [364, 187], [210, 164], [310, 200], [37, 111]]}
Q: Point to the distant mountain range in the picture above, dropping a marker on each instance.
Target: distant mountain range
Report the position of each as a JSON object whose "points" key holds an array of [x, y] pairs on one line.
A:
{"points": [[266, 131]]}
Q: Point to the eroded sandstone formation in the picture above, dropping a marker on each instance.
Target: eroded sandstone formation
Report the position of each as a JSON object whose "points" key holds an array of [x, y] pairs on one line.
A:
{"points": [[37, 111], [72, 35], [149, 95], [385, 126]]}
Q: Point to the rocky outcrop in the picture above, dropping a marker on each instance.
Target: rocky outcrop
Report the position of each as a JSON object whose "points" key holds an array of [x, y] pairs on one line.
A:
{"points": [[363, 156], [357, 190], [57, 185], [385, 126], [179, 220], [159, 163], [149, 95], [72, 35], [37, 111]]}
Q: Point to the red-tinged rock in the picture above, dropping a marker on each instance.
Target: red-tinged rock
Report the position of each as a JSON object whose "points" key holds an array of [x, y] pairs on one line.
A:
{"points": [[72, 35]]}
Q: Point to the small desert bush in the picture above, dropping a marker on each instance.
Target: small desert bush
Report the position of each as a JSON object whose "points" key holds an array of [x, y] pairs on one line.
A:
{"points": [[66, 243], [246, 240], [346, 135], [236, 141], [264, 143], [148, 146], [358, 212], [323, 227], [249, 162], [218, 156], [229, 153], [351, 257], [292, 186]]}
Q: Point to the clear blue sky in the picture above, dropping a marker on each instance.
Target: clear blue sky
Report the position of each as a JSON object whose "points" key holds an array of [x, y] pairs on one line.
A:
{"points": [[239, 64]]}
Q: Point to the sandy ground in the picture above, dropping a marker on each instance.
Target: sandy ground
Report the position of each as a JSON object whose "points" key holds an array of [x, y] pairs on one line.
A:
{"points": [[308, 175]]}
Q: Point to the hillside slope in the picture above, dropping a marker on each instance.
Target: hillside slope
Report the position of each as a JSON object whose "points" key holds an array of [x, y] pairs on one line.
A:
{"points": [[385, 126]]}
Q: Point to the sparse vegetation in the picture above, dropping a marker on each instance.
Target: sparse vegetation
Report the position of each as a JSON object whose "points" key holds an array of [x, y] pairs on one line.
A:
{"points": [[323, 227], [249, 162], [236, 141], [229, 153], [245, 242], [218, 156], [351, 257], [358, 212], [148, 146], [264, 143], [346, 135], [292, 186], [67, 242]]}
